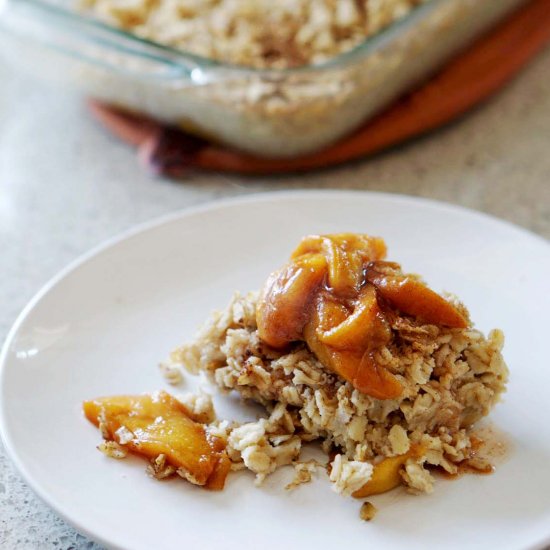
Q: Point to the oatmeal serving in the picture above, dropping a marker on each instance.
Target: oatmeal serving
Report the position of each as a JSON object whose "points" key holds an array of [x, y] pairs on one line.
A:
{"points": [[341, 347]]}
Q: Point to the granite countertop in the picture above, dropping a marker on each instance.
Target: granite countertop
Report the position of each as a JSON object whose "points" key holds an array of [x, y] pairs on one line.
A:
{"points": [[65, 186]]}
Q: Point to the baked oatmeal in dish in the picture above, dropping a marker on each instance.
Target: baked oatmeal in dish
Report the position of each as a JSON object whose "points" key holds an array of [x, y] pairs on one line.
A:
{"points": [[255, 33], [275, 79], [341, 347]]}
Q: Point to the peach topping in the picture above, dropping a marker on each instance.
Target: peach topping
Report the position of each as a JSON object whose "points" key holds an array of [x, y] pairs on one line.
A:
{"points": [[151, 425], [338, 296], [386, 475]]}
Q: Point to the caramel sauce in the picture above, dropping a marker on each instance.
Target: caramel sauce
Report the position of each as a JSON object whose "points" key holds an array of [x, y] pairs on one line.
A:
{"points": [[464, 468], [489, 448], [338, 295]]}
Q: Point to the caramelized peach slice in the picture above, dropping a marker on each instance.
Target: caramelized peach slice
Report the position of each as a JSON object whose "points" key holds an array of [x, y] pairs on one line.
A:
{"points": [[375, 380], [364, 328], [283, 307], [386, 476], [414, 298], [346, 254], [216, 481], [151, 425], [357, 366]]}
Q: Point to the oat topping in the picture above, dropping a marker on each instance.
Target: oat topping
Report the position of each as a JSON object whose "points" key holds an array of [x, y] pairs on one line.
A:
{"points": [[171, 373], [348, 476], [159, 468], [200, 406], [303, 472], [113, 450], [367, 512]]}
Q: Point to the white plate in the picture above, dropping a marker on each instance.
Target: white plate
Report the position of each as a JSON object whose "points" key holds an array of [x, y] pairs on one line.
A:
{"points": [[102, 326]]}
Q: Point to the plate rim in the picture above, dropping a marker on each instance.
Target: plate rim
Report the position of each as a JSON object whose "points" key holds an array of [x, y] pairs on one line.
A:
{"points": [[171, 217]]}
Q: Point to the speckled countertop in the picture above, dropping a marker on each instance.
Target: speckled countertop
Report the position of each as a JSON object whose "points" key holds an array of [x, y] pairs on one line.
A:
{"points": [[65, 186]]}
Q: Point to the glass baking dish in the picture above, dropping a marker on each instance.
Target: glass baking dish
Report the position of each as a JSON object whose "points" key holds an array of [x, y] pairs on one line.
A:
{"points": [[271, 113]]}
